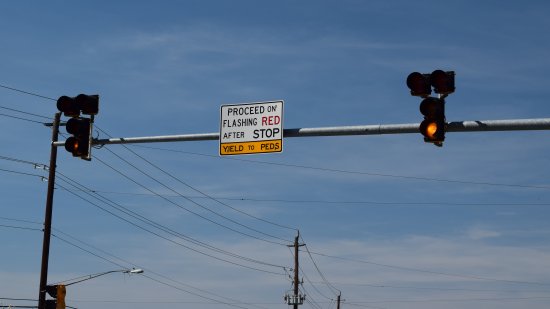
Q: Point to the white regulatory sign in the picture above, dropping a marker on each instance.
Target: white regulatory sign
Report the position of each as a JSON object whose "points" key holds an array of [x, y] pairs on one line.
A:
{"points": [[251, 128]]}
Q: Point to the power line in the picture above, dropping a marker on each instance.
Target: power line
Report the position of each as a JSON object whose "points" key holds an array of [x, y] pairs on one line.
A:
{"points": [[357, 172], [386, 286], [24, 112], [156, 225], [35, 164], [27, 92], [187, 239], [199, 191], [20, 227], [153, 279], [22, 173], [20, 118], [193, 293], [333, 289], [358, 303], [180, 206], [88, 251], [348, 202], [430, 271]]}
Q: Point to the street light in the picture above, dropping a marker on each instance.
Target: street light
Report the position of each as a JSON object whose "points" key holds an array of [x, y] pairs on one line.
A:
{"points": [[92, 276], [58, 290]]}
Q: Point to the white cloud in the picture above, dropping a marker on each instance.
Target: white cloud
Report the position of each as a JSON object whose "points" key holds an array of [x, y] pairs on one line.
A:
{"points": [[478, 233]]}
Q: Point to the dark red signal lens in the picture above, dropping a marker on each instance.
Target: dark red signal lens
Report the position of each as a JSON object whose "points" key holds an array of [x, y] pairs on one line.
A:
{"points": [[89, 104], [68, 106], [443, 82], [432, 108], [419, 84], [78, 126]]}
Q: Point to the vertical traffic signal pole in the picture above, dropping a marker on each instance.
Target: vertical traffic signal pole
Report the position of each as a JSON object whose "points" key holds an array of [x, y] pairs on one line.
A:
{"points": [[48, 216]]}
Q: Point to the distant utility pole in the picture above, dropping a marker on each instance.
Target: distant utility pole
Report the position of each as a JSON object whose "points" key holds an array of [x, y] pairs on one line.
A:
{"points": [[338, 300], [297, 298]]}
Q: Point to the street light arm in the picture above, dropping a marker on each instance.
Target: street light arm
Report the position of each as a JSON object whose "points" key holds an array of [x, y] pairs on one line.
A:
{"points": [[92, 276]]}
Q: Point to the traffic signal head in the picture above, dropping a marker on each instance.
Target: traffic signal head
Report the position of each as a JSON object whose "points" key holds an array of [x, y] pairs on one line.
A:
{"points": [[72, 106], [89, 104], [58, 292], [68, 106], [79, 144], [60, 299], [419, 84], [434, 125], [443, 82]]}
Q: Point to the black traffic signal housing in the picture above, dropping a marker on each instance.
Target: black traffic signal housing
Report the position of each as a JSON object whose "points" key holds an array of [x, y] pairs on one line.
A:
{"points": [[419, 84], [80, 143], [58, 292], [443, 83], [434, 125], [73, 106]]}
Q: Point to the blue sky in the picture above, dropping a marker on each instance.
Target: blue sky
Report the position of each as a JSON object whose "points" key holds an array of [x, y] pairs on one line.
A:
{"points": [[390, 221]]}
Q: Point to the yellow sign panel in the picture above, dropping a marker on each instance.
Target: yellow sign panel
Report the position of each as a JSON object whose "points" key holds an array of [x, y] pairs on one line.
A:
{"points": [[251, 147]]}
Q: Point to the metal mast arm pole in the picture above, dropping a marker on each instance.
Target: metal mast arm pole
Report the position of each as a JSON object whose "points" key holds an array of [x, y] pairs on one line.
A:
{"points": [[378, 129]]}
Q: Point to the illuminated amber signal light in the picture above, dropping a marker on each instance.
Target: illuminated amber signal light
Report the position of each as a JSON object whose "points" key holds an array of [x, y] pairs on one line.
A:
{"points": [[434, 125]]}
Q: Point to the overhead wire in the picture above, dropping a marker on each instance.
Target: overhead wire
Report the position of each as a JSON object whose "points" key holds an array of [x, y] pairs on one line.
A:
{"points": [[431, 271], [27, 92], [333, 170], [348, 202], [199, 191], [491, 299], [171, 240], [157, 225], [22, 173], [150, 271], [196, 190], [19, 227], [20, 118], [119, 207], [182, 207], [133, 214], [332, 288], [24, 112]]}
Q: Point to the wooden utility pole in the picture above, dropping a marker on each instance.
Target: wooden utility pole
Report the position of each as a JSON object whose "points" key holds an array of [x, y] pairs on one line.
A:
{"points": [[297, 298], [48, 216]]}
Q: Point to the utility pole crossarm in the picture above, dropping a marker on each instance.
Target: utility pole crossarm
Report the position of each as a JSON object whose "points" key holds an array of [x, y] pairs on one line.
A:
{"points": [[378, 129]]}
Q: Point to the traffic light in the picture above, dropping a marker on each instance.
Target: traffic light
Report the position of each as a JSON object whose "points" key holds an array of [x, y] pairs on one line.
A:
{"points": [[80, 143], [443, 83], [58, 292], [433, 126], [61, 293], [72, 106], [419, 84]]}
